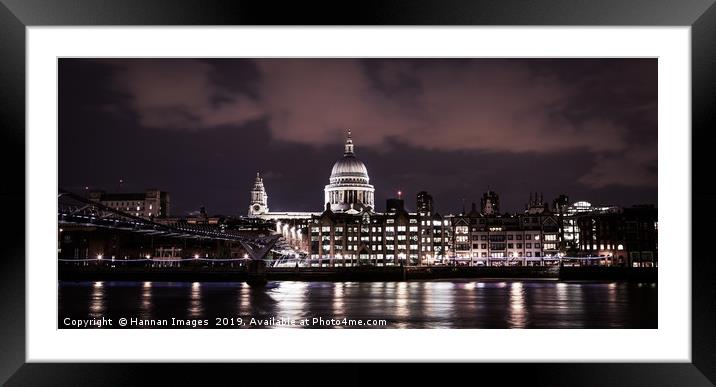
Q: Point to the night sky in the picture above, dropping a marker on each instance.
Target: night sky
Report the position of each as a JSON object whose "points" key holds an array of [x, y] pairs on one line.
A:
{"points": [[201, 129]]}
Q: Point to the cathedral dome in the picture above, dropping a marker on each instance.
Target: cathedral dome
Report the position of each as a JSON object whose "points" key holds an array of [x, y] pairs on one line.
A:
{"points": [[349, 167], [349, 189]]}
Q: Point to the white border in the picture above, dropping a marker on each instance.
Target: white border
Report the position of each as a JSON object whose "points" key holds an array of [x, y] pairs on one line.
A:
{"points": [[670, 342]]}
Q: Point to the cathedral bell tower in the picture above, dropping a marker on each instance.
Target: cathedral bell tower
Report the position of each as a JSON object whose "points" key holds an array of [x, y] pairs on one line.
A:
{"points": [[259, 198]]}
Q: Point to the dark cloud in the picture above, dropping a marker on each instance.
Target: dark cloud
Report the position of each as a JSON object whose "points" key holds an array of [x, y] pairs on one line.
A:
{"points": [[453, 126]]}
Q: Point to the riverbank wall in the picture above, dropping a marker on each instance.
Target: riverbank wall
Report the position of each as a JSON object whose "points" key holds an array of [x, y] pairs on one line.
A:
{"points": [[100, 273]]}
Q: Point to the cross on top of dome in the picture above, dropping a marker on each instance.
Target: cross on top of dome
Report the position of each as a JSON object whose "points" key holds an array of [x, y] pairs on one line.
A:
{"points": [[349, 145]]}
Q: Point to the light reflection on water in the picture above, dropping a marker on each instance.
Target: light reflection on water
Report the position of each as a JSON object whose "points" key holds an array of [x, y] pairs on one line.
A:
{"points": [[518, 310], [414, 304], [145, 310], [196, 308], [96, 306]]}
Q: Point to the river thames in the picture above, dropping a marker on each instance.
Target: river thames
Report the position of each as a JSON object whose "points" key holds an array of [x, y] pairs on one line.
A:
{"points": [[413, 304]]}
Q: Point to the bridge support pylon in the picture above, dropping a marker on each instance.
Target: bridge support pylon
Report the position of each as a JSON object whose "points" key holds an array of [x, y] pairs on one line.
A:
{"points": [[256, 273], [256, 266]]}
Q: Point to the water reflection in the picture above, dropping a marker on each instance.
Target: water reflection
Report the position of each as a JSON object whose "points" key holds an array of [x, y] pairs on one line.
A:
{"points": [[414, 304], [196, 309], [289, 298], [401, 304], [338, 304], [145, 308], [97, 301], [518, 310]]}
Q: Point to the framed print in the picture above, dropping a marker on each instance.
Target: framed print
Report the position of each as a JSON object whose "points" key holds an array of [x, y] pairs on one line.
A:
{"points": [[510, 187]]}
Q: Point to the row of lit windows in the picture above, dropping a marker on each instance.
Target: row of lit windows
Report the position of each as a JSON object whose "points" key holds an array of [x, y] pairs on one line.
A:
{"points": [[502, 255], [338, 229], [123, 203], [602, 247], [510, 237], [434, 223], [511, 246]]}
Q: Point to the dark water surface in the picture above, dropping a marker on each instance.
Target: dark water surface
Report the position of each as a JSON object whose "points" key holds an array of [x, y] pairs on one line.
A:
{"points": [[412, 304]]}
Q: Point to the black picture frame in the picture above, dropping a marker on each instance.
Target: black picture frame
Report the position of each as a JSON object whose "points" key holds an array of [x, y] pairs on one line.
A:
{"points": [[15, 15]]}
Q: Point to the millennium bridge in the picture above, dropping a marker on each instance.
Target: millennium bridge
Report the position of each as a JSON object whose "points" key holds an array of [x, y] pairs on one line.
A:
{"points": [[81, 215]]}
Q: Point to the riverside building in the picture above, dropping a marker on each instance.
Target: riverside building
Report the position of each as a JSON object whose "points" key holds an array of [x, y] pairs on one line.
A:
{"points": [[152, 203], [486, 238]]}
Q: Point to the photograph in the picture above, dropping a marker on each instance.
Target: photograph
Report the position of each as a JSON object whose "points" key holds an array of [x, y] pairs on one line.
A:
{"points": [[201, 192], [357, 193]]}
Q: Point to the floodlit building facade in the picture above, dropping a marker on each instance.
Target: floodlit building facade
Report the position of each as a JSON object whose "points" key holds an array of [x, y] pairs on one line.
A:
{"points": [[152, 203]]}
